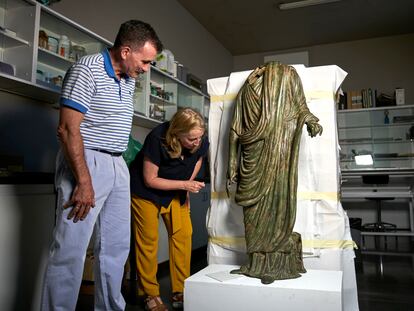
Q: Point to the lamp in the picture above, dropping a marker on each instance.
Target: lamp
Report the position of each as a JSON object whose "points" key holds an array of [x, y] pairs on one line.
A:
{"points": [[364, 159], [303, 3]]}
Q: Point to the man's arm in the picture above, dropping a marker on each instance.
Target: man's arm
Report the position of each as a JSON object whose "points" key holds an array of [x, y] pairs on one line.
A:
{"points": [[83, 197]]}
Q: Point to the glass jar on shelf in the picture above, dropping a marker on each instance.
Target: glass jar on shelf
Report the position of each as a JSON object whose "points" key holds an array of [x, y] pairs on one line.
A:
{"points": [[43, 39], [77, 52], [52, 44]]}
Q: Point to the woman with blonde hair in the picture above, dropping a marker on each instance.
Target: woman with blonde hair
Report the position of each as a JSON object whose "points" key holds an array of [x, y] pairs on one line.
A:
{"points": [[162, 175]]}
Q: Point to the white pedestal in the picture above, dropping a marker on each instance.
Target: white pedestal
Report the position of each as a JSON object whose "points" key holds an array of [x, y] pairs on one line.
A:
{"points": [[315, 290]]}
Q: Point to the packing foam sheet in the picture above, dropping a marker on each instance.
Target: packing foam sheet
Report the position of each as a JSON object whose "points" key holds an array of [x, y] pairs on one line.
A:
{"points": [[320, 218], [224, 217]]}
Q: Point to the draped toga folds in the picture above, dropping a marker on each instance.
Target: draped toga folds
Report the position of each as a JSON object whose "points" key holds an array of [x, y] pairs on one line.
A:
{"points": [[269, 115]]}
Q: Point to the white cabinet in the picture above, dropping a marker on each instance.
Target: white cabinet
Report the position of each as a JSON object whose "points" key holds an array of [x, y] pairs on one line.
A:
{"points": [[377, 164], [383, 136], [17, 35], [53, 60], [29, 69], [26, 225], [158, 95], [34, 64]]}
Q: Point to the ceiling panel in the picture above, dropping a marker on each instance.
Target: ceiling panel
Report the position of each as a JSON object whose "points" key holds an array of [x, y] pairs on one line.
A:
{"points": [[245, 26]]}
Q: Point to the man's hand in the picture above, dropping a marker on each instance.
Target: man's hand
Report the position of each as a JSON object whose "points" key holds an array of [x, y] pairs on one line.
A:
{"points": [[82, 200], [83, 196]]}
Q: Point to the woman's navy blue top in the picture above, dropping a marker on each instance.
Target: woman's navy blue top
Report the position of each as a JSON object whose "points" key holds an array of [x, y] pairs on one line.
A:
{"points": [[177, 169]]}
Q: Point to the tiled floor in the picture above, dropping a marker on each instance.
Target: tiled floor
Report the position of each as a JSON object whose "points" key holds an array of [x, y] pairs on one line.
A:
{"points": [[85, 302], [385, 283]]}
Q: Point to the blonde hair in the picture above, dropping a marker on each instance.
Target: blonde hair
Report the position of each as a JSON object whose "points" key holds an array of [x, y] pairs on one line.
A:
{"points": [[182, 122]]}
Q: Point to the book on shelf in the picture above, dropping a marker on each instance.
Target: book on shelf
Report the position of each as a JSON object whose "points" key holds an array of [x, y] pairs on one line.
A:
{"points": [[364, 93], [367, 98], [342, 101], [354, 100], [364, 98], [372, 93]]}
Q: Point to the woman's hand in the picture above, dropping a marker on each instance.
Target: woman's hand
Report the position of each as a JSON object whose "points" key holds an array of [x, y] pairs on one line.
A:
{"points": [[193, 186]]}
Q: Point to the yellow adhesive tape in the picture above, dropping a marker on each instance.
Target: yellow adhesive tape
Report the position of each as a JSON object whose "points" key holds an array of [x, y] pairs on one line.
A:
{"points": [[328, 196], [240, 242], [311, 195], [315, 95], [310, 95], [220, 195], [228, 241], [222, 98], [329, 244]]}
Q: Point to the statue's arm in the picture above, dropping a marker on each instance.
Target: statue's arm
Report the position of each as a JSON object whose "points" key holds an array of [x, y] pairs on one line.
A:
{"points": [[311, 121]]}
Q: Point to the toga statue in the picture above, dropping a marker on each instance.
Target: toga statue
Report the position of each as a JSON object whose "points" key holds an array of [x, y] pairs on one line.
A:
{"points": [[269, 115]]}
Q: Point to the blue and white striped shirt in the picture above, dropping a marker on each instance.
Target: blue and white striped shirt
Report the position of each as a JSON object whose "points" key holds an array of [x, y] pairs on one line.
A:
{"points": [[91, 87]]}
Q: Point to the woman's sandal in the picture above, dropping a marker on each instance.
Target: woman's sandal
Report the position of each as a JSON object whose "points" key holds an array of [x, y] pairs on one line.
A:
{"points": [[177, 300], [154, 303]]}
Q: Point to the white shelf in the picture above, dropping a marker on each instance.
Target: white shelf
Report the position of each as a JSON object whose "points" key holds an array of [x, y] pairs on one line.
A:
{"points": [[161, 101], [10, 40], [28, 89], [371, 141], [398, 124], [363, 132], [403, 158], [53, 59], [395, 233], [53, 21], [192, 89], [375, 109], [144, 121]]}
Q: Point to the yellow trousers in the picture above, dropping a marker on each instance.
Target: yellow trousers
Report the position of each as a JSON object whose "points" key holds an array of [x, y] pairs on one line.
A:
{"points": [[145, 227]]}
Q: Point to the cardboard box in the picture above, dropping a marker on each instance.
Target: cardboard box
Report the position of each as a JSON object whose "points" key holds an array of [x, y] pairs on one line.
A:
{"points": [[400, 96]]}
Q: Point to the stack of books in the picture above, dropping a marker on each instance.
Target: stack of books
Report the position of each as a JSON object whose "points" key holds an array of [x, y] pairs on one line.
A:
{"points": [[365, 98]]}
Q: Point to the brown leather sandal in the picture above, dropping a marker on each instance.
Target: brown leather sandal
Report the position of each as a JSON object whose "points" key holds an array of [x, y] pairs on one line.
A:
{"points": [[177, 300], [154, 303]]}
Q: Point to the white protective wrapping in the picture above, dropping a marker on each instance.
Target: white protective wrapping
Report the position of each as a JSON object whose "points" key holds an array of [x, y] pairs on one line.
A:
{"points": [[320, 219]]}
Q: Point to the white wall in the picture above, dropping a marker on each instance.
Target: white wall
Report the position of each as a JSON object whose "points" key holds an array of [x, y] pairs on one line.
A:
{"points": [[189, 41], [381, 63]]}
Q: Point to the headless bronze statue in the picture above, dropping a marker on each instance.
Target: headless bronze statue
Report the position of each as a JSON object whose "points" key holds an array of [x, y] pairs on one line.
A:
{"points": [[269, 115]]}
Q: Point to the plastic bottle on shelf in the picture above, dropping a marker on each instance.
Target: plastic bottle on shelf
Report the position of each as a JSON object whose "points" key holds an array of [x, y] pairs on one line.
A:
{"points": [[175, 67], [165, 61], [170, 62], [162, 61], [64, 46], [386, 118]]}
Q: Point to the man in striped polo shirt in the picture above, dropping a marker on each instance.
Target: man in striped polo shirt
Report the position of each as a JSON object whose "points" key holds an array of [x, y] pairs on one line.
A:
{"points": [[92, 179]]}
